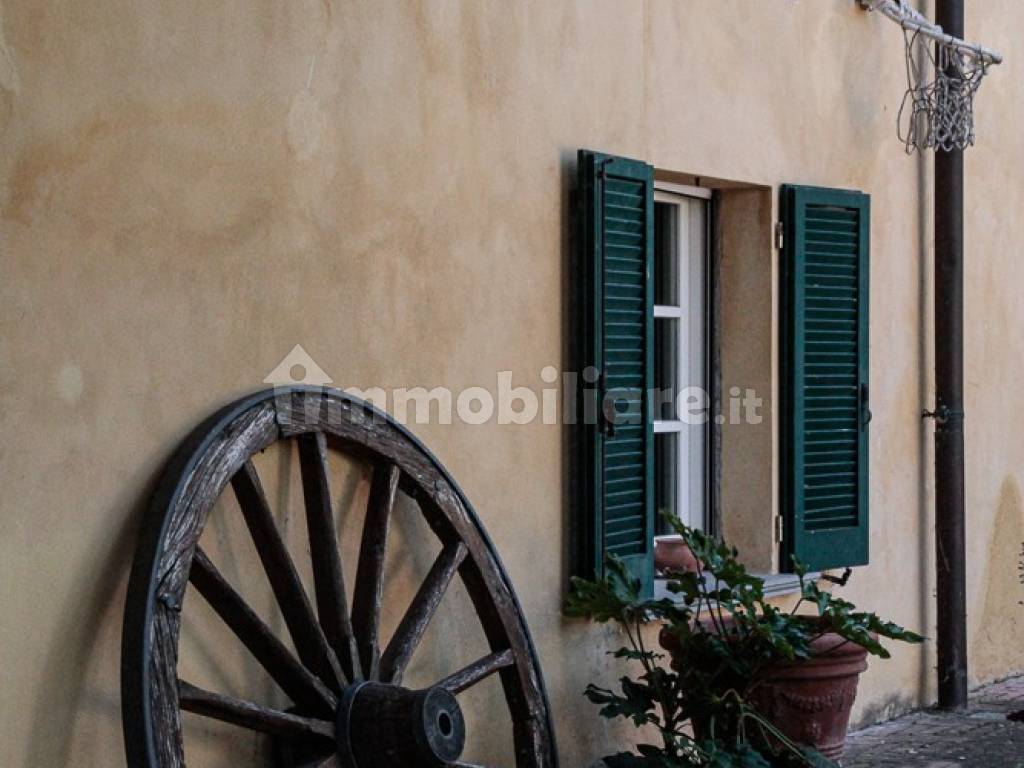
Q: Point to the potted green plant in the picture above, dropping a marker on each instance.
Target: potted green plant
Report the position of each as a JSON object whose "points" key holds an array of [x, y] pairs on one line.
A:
{"points": [[749, 684]]}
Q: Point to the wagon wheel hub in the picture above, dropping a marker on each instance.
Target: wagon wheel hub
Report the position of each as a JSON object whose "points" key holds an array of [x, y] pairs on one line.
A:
{"points": [[387, 725]]}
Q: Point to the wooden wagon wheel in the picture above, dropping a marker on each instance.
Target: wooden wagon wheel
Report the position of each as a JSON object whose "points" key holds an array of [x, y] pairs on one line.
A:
{"points": [[349, 708]]}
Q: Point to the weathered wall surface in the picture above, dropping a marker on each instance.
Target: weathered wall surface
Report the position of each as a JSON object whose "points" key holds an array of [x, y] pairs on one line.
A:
{"points": [[187, 190], [747, 334]]}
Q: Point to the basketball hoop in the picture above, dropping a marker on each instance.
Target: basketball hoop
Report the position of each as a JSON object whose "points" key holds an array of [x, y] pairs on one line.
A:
{"points": [[942, 79]]}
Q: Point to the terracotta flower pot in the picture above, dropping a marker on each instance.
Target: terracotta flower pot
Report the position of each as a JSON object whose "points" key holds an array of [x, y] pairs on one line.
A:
{"points": [[671, 553], [809, 700]]}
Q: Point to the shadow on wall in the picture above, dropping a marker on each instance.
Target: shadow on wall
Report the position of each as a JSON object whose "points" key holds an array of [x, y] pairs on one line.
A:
{"points": [[995, 648], [81, 672]]}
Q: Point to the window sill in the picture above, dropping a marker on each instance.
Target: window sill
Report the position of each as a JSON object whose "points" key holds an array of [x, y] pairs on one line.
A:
{"points": [[775, 585]]}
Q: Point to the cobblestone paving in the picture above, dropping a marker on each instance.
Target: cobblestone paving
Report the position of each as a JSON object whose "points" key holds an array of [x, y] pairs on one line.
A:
{"points": [[980, 736]]}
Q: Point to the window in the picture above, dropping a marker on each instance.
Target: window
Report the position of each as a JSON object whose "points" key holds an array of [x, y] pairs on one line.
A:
{"points": [[643, 330], [681, 354], [642, 308]]}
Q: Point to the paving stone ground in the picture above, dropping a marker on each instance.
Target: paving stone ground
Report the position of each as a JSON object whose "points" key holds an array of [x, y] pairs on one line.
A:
{"points": [[980, 736]]}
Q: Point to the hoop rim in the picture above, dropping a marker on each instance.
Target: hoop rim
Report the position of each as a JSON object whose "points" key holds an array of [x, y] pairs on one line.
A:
{"points": [[912, 20]]}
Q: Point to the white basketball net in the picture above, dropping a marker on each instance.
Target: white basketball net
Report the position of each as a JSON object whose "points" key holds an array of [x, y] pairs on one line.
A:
{"points": [[943, 76], [938, 108]]}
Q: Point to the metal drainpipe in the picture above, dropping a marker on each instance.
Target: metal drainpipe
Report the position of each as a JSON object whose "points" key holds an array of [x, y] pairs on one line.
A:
{"points": [[950, 560]]}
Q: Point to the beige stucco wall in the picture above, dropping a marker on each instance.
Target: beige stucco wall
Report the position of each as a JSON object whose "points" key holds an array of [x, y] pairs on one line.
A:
{"points": [[188, 190], [747, 331]]}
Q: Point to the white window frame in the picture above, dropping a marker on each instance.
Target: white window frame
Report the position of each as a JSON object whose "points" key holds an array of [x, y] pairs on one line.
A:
{"points": [[688, 473]]}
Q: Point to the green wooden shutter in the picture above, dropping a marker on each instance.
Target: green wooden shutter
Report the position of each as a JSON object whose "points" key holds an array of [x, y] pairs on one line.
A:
{"points": [[615, 512], [824, 376]]}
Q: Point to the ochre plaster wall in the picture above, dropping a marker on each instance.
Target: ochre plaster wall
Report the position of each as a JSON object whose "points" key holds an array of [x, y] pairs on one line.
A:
{"points": [[188, 190], [746, 340]]}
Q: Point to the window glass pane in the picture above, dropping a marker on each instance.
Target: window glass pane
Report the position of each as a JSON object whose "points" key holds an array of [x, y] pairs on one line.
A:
{"points": [[693, 488], [695, 263], [693, 349], [666, 366], [666, 478], [666, 254], [681, 343], [680, 476]]}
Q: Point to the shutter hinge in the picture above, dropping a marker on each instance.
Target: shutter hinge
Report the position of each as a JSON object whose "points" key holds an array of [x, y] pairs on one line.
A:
{"points": [[779, 529], [780, 235]]}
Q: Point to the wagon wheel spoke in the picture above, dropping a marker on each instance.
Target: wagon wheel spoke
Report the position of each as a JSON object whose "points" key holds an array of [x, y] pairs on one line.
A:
{"points": [[479, 670], [421, 610], [309, 639], [328, 576], [252, 716], [294, 679], [369, 585]]}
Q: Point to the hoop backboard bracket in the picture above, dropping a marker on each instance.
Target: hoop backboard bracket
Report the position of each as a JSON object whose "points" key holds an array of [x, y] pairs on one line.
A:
{"points": [[911, 20]]}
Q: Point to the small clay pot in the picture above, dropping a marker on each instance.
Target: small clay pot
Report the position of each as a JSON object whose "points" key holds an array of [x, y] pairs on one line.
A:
{"points": [[671, 553]]}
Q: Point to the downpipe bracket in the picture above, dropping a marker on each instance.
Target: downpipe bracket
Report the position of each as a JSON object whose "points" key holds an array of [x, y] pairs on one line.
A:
{"points": [[943, 415]]}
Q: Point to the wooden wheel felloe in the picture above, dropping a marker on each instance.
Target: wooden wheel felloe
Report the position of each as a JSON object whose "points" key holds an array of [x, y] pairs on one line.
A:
{"points": [[343, 680]]}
